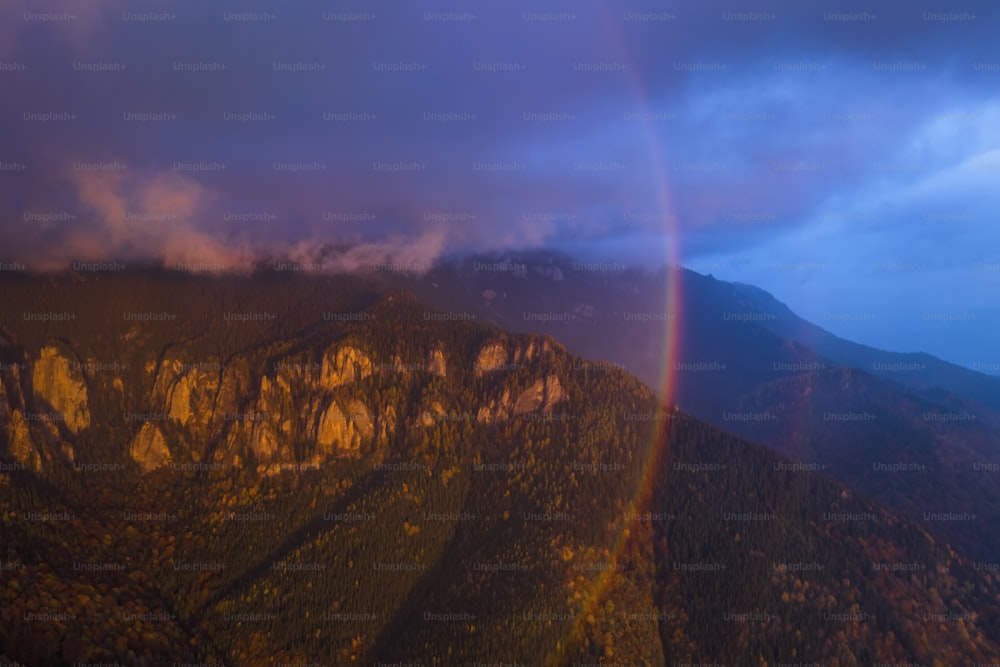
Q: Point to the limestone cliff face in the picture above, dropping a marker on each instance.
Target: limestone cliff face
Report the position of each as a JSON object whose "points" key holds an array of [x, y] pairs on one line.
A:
{"points": [[331, 429], [302, 409], [387, 425], [21, 445], [58, 384], [187, 392], [265, 441], [298, 411], [436, 364], [495, 410], [344, 365], [40, 402], [36, 443], [534, 348], [360, 424], [11, 391], [491, 357], [233, 389], [541, 396], [499, 355], [432, 416], [192, 397], [149, 448]]}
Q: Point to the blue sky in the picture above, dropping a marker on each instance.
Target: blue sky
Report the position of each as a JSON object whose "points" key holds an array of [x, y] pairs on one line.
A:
{"points": [[843, 155]]}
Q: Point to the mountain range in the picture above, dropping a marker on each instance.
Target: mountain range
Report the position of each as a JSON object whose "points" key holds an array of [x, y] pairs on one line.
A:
{"points": [[386, 468], [914, 432]]}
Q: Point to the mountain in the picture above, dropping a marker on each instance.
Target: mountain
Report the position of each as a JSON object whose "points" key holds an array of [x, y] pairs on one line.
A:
{"points": [[592, 298], [908, 439], [917, 372], [315, 471]]}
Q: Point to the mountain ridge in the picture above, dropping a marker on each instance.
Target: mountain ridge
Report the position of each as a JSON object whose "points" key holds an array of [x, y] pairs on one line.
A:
{"points": [[625, 522]]}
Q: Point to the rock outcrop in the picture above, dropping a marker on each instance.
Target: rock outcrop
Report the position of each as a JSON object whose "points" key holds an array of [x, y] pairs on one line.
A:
{"points": [[499, 355], [41, 404], [193, 397], [294, 413], [344, 365], [58, 385], [495, 410], [149, 448], [432, 416], [20, 443], [303, 409], [339, 432], [542, 396], [491, 357], [266, 417], [436, 364]]}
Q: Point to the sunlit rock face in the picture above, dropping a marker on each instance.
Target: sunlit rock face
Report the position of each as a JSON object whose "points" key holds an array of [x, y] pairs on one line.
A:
{"points": [[58, 384], [302, 408], [297, 410], [342, 432], [433, 415], [343, 366], [149, 448], [21, 445], [190, 393], [436, 364], [42, 402], [541, 396], [499, 355], [193, 397], [495, 410], [491, 357], [528, 352]]}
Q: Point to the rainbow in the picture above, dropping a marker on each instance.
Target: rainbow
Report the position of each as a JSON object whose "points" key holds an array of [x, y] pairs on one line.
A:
{"points": [[655, 449]]}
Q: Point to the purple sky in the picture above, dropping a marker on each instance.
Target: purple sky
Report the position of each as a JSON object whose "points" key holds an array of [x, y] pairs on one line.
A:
{"points": [[845, 156]]}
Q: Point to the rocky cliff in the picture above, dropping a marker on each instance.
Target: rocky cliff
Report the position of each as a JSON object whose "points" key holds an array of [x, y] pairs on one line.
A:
{"points": [[43, 404], [294, 411], [58, 384], [268, 411], [539, 394], [149, 448]]}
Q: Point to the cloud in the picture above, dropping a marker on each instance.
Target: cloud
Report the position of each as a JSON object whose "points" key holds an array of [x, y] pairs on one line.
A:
{"points": [[127, 216], [162, 218], [392, 254], [795, 117]]}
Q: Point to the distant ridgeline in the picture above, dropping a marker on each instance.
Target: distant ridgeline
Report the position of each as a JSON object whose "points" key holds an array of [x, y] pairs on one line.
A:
{"points": [[915, 433]]}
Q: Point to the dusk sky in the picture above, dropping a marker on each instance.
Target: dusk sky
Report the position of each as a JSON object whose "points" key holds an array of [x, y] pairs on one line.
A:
{"points": [[845, 156]]}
